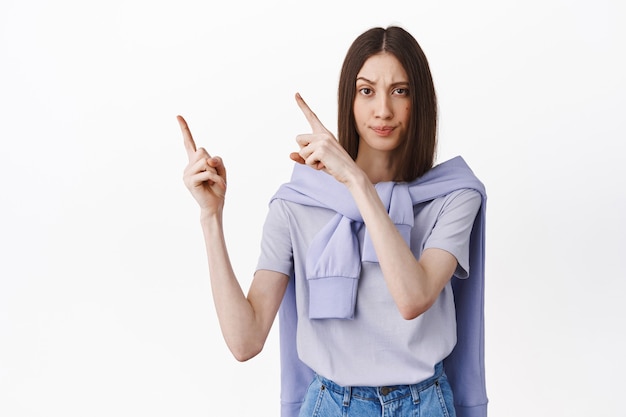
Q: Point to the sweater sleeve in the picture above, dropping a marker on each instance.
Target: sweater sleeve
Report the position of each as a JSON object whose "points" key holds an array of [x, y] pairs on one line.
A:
{"points": [[295, 376], [465, 366]]}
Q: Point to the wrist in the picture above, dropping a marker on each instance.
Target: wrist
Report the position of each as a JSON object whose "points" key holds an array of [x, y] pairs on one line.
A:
{"points": [[210, 216], [357, 180]]}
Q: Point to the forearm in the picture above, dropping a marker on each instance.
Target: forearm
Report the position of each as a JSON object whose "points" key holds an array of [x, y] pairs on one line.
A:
{"points": [[404, 275], [237, 318]]}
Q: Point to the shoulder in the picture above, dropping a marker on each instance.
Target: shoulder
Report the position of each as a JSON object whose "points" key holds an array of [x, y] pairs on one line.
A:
{"points": [[467, 197], [291, 208], [297, 216], [460, 205], [464, 199]]}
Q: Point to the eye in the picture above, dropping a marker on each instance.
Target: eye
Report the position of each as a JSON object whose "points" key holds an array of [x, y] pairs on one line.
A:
{"points": [[401, 91], [366, 91]]}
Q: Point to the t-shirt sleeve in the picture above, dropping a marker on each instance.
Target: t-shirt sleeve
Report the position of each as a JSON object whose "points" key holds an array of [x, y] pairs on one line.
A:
{"points": [[453, 227], [276, 250]]}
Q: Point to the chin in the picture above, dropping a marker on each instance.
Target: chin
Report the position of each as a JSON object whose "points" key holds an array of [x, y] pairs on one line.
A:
{"points": [[385, 145]]}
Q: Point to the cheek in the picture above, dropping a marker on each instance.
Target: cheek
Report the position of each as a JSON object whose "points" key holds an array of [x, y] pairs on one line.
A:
{"points": [[407, 114], [359, 117]]}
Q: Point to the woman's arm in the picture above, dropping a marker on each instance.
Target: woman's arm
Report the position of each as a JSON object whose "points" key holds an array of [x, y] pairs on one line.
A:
{"points": [[245, 321], [413, 283]]}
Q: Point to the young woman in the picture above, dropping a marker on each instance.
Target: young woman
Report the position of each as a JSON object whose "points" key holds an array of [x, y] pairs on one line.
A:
{"points": [[359, 251]]}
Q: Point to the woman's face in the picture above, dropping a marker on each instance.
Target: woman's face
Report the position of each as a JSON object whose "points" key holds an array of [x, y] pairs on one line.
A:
{"points": [[382, 104]]}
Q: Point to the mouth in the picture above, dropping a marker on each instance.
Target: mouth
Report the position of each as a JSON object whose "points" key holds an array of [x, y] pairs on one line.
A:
{"points": [[383, 130]]}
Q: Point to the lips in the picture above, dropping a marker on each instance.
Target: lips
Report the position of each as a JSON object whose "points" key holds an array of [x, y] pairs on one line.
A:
{"points": [[383, 130]]}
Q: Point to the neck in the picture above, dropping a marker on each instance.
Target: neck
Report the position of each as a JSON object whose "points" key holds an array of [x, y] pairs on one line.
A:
{"points": [[378, 167]]}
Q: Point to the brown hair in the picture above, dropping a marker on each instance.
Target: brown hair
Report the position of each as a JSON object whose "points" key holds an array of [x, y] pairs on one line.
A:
{"points": [[417, 153]]}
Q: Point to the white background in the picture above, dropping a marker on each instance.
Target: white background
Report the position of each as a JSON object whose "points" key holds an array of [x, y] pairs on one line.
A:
{"points": [[105, 303]]}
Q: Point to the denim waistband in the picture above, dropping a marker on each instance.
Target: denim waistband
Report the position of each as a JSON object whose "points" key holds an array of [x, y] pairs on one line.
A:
{"points": [[383, 393]]}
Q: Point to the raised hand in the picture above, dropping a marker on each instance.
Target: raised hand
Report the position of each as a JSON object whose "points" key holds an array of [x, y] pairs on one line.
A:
{"points": [[319, 149], [204, 176]]}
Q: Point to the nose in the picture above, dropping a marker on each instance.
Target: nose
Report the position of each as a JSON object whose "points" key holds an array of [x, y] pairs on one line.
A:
{"points": [[382, 109]]}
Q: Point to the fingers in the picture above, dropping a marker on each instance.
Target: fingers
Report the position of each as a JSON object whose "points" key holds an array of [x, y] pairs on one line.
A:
{"points": [[220, 169], [295, 156], [190, 145], [201, 165], [307, 154], [311, 117], [206, 163], [206, 170], [197, 154]]}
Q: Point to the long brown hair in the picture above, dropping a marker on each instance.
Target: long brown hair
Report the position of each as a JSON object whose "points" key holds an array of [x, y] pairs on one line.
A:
{"points": [[417, 153]]}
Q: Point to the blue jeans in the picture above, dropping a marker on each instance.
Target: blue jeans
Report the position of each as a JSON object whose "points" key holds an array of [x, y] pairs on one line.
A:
{"points": [[429, 398]]}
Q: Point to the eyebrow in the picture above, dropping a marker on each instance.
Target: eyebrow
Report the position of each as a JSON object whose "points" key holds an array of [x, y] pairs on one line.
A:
{"points": [[372, 82]]}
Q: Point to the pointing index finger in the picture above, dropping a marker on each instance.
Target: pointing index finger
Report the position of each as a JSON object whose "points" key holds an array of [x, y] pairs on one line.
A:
{"points": [[190, 145], [311, 117]]}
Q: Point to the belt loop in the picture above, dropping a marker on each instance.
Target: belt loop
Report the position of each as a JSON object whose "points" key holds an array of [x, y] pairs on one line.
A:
{"points": [[415, 393], [347, 394]]}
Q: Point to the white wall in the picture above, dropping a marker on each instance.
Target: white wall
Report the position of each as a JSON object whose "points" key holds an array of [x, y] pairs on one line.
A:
{"points": [[105, 304]]}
